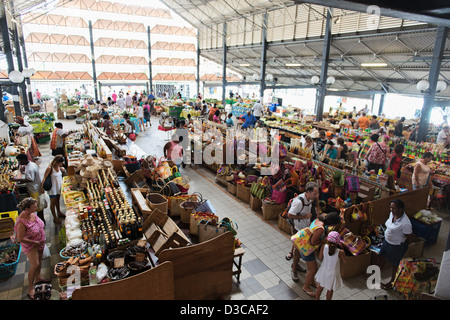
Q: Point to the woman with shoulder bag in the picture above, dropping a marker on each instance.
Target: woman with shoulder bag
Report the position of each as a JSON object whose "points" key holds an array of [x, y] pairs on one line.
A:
{"points": [[378, 155], [55, 170]]}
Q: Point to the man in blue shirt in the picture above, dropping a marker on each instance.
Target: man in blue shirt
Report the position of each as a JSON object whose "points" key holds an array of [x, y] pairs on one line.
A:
{"points": [[250, 120], [5, 97]]}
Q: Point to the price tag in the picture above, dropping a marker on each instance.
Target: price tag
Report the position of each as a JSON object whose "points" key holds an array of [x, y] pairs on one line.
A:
{"points": [[119, 263]]}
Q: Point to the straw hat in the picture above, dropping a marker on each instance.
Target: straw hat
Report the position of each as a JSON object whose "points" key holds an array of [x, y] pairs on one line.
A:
{"points": [[85, 173], [107, 164]]}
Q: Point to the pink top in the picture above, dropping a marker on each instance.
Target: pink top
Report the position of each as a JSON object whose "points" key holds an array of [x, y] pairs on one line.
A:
{"points": [[34, 230], [378, 154], [175, 151]]}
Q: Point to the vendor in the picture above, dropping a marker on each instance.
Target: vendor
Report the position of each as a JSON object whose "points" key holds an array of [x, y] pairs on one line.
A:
{"points": [[30, 177], [443, 137], [250, 120], [25, 131], [342, 149], [363, 122], [345, 122], [212, 112], [396, 238]]}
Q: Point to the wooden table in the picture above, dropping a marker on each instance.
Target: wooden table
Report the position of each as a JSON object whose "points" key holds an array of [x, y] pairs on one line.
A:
{"points": [[238, 254]]}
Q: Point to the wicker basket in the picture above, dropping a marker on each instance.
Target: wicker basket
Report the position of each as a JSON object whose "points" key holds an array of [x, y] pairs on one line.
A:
{"points": [[231, 187], [158, 201]]}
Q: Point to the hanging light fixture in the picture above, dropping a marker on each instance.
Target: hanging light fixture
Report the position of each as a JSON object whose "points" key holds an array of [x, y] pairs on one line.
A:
{"points": [[269, 77], [423, 85], [16, 76], [255, 77], [315, 80], [441, 86], [28, 72], [331, 80]]}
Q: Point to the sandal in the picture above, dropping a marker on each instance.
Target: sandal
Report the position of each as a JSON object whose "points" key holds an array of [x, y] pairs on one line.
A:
{"points": [[310, 293], [386, 286], [289, 256]]}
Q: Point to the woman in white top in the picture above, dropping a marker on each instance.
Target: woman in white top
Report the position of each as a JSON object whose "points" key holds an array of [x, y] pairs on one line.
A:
{"points": [[55, 169], [329, 274], [139, 111], [396, 237]]}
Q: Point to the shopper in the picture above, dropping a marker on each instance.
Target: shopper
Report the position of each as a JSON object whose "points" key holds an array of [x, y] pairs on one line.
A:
{"points": [[139, 111], [258, 110], [174, 151], [128, 126], [319, 228], [30, 233], [384, 129], [212, 112], [374, 124], [398, 131], [396, 237], [309, 144], [363, 122], [216, 117], [128, 101], [300, 214], [107, 125], [329, 274], [395, 163], [443, 136], [250, 120], [58, 139], [25, 130], [147, 114], [322, 141], [342, 149], [422, 171], [332, 151], [378, 155], [229, 120], [55, 170], [30, 177], [365, 146], [345, 122]]}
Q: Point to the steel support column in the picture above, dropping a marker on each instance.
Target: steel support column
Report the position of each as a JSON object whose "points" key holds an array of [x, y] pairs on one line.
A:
{"points": [[322, 89], [198, 63], [150, 72], [25, 63], [381, 106], [94, 73], [22, 85], [428, 99], [10, 61], [262, 86], [224, 64]]}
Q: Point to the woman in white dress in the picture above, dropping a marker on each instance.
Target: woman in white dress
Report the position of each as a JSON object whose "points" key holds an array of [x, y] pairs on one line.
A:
{"points": [[329, 274], [55, 169]]}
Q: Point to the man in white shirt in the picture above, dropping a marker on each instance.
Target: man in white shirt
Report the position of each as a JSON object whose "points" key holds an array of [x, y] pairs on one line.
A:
{"points": [[443, 136], [121, 102], [30, 176], [300, 214], [128, 100], [345, 122], [258, 110]]}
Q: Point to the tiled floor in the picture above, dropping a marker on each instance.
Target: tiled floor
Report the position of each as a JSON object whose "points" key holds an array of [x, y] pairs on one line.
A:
{"points": [[265, 272]]}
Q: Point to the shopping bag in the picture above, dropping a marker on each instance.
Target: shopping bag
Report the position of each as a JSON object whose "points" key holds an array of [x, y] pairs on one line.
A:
{"points": [[230, 225], [208, 229], [174, 204], [206, 206], [302, 240], [196, 217], [175, 173], [42, 202], [352, 184]]}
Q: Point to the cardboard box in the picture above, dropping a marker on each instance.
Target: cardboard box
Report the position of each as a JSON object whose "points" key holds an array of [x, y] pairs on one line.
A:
{"points": [[355, 265], [415, 249]]}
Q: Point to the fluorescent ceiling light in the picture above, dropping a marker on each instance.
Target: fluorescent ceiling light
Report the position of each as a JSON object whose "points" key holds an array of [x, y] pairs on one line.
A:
{"points": [[293, 64], [244, 65], [374, 64]]}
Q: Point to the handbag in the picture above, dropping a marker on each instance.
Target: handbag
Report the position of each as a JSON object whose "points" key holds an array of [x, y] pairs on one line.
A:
{"points": [[208, 229], [355, 244], [285, 213], [42, 202], [131, 163], [196, 217], [48, 182], [279, 192], [260, 189], [230, 225], [175, 174], [302, 240], [352, 184]]}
